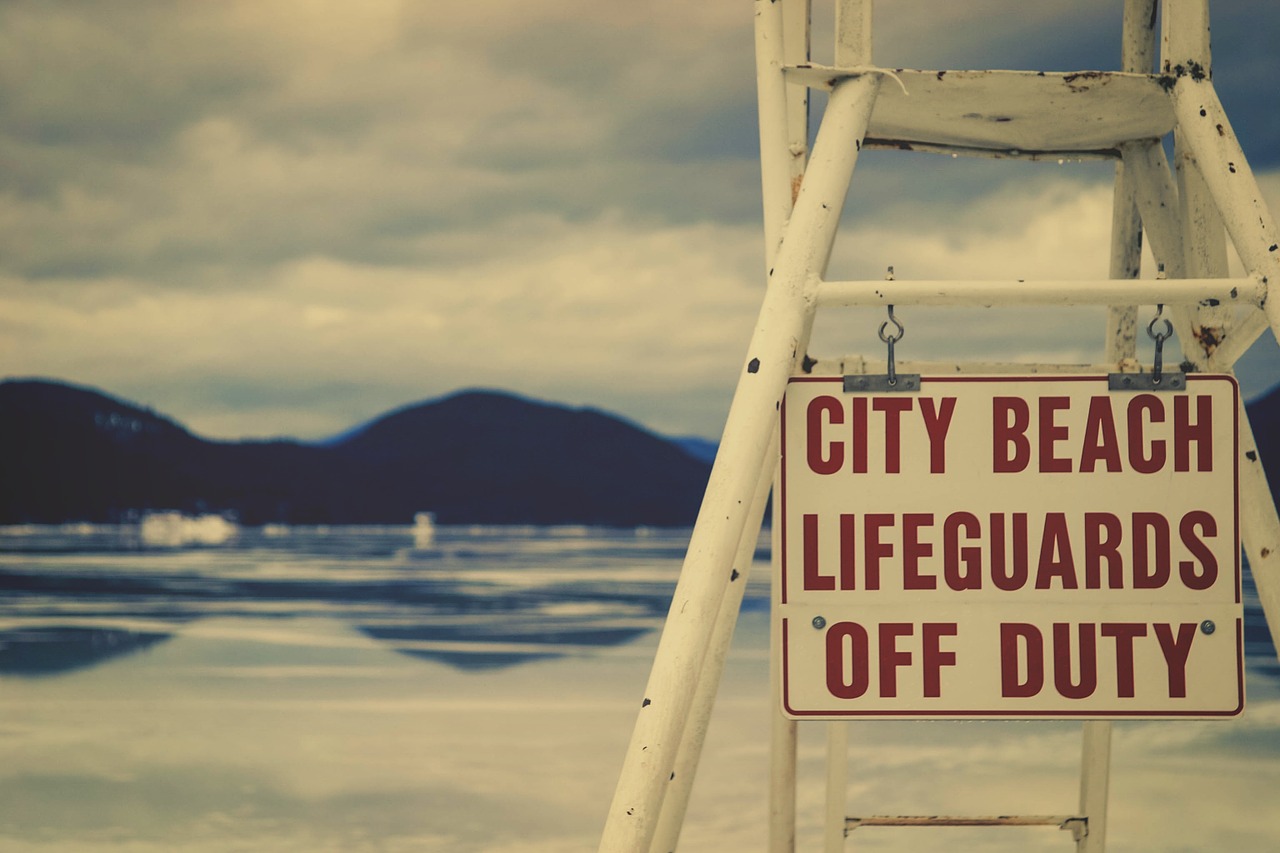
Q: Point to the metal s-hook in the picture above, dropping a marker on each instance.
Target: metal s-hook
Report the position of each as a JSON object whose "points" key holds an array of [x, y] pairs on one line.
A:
{"points": [[893, 381], [891, 340], [1157, 367], [1158, 379]]}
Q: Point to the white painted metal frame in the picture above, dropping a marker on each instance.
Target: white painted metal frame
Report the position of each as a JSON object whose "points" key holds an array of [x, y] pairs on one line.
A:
{"points": [[1184, 211]]}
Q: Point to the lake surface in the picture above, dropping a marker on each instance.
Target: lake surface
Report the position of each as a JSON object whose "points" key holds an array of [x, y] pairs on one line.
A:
{"points": [[309, 689]]}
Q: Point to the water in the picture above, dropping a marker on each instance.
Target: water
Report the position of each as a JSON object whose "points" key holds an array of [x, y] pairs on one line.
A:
{"points": [[474, 690]]}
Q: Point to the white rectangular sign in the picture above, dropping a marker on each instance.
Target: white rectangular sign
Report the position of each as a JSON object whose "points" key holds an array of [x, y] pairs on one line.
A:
{"points": [[1022, 547]]}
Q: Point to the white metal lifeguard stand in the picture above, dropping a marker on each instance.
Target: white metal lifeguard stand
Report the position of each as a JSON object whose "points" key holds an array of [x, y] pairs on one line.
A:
{"points": [[1185, 210]]}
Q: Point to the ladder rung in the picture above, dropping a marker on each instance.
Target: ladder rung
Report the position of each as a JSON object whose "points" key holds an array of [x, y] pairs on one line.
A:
{"points": [[977, 293], [1060, 821]]}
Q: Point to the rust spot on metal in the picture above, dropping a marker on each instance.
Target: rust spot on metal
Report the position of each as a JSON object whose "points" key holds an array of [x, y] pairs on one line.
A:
{"points": [[733, 577], [1166, 82], [941, 74], [982, 117], [1273, 247], [899, 144], [1196, 70], [1221, 132], [1072, 80], [1264, 553], [1231, 167], [646, 703], [1251, 455], [1203, 114], [807, 363], [1209, 338], [795, 193], [753, 366]]}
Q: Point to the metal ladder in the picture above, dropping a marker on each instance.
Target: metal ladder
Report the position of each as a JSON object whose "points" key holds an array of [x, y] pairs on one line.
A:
{"points": [[1184, 210]]}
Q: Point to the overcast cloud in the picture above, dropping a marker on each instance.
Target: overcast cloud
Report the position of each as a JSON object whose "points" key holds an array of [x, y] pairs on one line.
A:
{"points": [[286, 216]]}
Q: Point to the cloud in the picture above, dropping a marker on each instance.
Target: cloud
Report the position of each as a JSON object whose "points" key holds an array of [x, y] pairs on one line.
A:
{"points": [[286, 217]]}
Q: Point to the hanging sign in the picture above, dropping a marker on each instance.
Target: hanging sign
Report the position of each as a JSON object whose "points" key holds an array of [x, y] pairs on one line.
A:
{"points": [[1017, 547]]}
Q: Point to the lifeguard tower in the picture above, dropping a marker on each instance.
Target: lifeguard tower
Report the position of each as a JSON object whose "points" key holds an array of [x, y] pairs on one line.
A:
{"points": [[1187, 211]]}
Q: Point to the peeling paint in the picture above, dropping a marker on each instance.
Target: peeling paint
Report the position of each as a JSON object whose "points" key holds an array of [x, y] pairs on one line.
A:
{"points": [[1209, 337]]}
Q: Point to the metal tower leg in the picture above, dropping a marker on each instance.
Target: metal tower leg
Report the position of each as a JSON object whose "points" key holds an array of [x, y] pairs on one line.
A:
{"points": [[781, 334]]}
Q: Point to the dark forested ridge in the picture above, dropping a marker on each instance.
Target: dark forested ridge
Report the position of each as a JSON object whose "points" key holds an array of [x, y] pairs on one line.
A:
{"points": [[75, 454]]}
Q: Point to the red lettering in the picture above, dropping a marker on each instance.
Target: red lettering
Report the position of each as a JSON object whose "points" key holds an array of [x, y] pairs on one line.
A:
{"points": [[1100, 441], [1150, 572], [1153, 462], [1016, 575], [1013, 635], [1099, 547], [913, 550], [1185, 432], [893, 407], [1087, 657], [834, 460], [1176, 651], [934, 657], [813, 577], [890, 657], [854, 636], [936, 423], [1124, 634], [874, 549], [1011, 451], [1208, 562], [1055, 554], [858, 436], [1051, 433], [847, 577], [962, 567]]}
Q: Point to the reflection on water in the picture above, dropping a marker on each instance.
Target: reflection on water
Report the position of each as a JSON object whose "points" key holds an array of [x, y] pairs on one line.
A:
{"points": [[472, 598], [355, 689]]}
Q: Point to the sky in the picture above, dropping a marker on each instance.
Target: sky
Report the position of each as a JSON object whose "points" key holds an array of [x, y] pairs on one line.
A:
{"points": [[285, 217]]}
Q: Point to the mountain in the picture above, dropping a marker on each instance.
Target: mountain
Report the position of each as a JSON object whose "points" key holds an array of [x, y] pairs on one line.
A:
{"points": [[700, 448], [75, 454]]}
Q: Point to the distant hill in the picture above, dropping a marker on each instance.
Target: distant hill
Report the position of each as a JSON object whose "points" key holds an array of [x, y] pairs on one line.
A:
{"points": [[75, 454]]}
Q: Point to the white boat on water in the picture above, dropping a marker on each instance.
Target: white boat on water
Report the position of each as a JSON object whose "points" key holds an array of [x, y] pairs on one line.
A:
{"points": [[424, 531], [172, 529]]}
